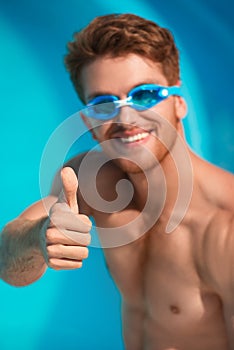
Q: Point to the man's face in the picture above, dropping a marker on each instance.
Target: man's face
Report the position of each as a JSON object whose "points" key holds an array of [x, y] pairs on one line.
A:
{"points": [[132, 136]]}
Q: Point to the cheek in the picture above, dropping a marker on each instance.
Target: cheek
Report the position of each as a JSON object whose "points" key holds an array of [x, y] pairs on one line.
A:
{"points": [[166, 109], [100, 131]]}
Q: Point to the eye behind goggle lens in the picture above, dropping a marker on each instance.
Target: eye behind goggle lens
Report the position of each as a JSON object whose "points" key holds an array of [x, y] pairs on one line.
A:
{"points": [[102, 110], [146, 98], [101, 107]]}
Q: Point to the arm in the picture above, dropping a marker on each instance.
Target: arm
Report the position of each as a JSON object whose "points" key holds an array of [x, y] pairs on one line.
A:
{"points": [[219, 266], [21, 257], [34, 240], [227, 288]]}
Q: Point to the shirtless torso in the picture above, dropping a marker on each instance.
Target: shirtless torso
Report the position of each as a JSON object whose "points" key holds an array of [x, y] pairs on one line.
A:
{"points": [[177, 288]]}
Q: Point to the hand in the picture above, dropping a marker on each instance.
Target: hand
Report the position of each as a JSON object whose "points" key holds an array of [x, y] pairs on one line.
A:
{"points": [[67, 235]]}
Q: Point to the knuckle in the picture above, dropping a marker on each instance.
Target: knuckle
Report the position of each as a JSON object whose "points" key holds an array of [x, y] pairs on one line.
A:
{"points": [[51, 234], [55, 219], [57, 212], [51, 264], [87, 224], [89, 238], [50, 252], [86, 239], [59, 207]]}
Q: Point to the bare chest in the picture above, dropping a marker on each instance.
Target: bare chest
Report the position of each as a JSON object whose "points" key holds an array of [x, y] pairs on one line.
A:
{"points": [[157, 275]]}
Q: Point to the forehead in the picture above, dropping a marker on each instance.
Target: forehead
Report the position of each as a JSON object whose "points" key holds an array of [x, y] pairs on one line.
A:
{"points": [[118, 75]]}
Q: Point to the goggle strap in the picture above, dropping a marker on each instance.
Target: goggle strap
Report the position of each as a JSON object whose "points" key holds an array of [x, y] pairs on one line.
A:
{"points": [[174, 90]]}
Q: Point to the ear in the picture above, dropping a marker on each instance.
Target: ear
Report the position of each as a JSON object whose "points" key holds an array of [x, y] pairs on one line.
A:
{"points": [[180, 107], [89, 126]]}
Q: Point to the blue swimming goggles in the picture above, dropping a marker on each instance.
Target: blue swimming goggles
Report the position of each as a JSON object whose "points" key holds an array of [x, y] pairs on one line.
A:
{"points": [[140, 98]]}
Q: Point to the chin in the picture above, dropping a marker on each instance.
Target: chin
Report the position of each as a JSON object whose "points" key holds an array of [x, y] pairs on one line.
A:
{"points": [[128, 166], [138, 159], [131, 167]]}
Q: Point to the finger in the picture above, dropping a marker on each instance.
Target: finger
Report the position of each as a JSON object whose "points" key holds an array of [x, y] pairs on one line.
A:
{"points": [[64, 264], [60, 251], [70, 187], [66, 237], [62, 217]]}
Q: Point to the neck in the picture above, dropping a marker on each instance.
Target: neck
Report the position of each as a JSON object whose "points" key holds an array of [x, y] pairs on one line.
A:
{"points": [[167, 184], [162, 176]]}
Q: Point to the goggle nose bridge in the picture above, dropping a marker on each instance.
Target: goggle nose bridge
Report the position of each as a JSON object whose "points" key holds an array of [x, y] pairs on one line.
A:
{"points": [[125, 102]]}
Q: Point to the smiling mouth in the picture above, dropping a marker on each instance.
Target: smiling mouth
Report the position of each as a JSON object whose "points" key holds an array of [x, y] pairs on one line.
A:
{"points": [[135, 138]]}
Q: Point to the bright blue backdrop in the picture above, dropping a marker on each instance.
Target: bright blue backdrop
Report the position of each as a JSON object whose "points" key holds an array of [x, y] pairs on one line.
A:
{"points": [[80, 309]]}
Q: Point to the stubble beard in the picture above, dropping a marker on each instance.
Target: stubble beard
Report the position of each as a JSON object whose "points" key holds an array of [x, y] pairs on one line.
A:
{"points": [[143, 162], [143, 158]]}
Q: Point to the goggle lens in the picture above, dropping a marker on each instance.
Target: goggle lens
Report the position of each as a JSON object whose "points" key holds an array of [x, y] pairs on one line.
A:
{"points": [[145, 98], [103, 107]]}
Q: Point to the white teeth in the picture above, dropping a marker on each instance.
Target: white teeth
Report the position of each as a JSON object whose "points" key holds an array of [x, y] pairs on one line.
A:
{"points": [[134, 138]]}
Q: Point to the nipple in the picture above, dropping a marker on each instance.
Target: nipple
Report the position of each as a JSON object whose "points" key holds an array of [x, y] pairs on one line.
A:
{"points": [[174, 309]]}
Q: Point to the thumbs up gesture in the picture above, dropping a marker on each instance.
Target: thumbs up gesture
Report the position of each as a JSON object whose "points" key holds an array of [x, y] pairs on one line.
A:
{"points": [[67, 235]]}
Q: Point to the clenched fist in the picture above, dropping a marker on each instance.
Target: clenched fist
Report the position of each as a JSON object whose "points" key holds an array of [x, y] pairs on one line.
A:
{"points": [[67, 232]]}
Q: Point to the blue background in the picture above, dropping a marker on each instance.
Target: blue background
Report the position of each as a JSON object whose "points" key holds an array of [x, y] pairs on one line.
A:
{"points": [[80, 309]]}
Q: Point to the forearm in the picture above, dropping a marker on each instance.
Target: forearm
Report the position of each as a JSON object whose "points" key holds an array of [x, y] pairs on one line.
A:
{"points": [[21, 257], [133, 324]]}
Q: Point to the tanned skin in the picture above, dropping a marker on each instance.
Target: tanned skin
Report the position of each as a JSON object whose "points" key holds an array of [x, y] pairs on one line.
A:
{"points": [[177, 289]]}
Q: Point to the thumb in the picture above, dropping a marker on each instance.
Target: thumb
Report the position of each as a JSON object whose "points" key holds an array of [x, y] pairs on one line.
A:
{"points": [[70, 187]]}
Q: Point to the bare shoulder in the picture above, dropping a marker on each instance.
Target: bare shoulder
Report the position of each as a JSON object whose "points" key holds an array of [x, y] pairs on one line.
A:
{"points": [[217, 184], [97, 175], [218, 252], [74, 163]]}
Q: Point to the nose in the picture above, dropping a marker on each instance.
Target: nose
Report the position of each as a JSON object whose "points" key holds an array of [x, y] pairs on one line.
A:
{"points": [[127, 115]]}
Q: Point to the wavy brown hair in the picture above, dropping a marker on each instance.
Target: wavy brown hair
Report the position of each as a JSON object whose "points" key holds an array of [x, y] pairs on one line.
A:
{"points": [[118, 35]]}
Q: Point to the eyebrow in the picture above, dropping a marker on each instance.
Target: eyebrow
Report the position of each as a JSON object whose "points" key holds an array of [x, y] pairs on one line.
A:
{"points": [[107, 93]]}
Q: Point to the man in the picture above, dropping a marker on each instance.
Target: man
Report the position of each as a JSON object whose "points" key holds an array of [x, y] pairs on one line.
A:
{"points": [[172, 262]]}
